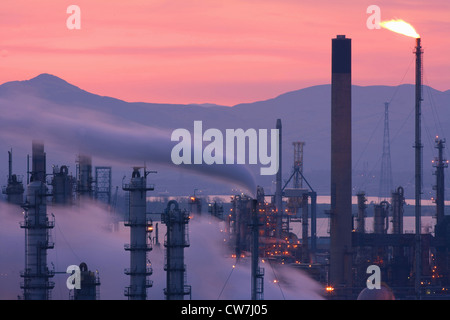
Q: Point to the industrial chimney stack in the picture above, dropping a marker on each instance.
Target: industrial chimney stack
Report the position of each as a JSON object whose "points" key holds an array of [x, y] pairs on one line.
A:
{"points": [[341, 164]]}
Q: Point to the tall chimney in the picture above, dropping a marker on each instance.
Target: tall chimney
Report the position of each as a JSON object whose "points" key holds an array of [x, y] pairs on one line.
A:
{"points": [[341, 164]]}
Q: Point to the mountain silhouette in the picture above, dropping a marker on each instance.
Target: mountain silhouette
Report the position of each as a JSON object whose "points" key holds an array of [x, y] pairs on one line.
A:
{"points": [[305, 115]]}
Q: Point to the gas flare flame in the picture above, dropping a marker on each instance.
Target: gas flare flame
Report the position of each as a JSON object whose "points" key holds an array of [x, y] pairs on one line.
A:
{"points": [[401, 27]]}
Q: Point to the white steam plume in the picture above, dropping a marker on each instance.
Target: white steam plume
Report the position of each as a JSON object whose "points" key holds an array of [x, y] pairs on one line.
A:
{"points": [[103, 136]]}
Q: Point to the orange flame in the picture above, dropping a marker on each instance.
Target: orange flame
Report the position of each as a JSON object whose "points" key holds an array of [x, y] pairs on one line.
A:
{"points": [[401, 27]]}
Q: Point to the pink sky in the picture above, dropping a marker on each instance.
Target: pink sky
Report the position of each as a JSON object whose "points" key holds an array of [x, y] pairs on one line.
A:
{"points": [[225, 52]]}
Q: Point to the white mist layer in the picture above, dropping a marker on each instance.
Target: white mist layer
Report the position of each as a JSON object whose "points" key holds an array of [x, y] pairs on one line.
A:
{"points": [[118, 141], [81, 235]]}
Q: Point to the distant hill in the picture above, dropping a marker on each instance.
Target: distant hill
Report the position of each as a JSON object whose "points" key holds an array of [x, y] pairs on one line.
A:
{"points": [[114, 131]]}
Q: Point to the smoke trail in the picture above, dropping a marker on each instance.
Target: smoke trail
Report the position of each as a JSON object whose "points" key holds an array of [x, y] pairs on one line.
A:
{"points": [[104, 136]]}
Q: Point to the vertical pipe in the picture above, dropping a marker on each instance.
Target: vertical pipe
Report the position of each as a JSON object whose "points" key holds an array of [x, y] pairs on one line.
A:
{"points": [[313, 196], [278, 192], [341, 163], [28, 169], [255, 249], [257, 283], [9, 166], [305, 245]]}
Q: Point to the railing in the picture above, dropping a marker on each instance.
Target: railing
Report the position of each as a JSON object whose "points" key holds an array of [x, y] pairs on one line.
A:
{"points": [[186, 290], [185, 239], [134, 223], [29, 224], [130, 291], [27, 274], [147, 272], [140, 187], [132, 247]]}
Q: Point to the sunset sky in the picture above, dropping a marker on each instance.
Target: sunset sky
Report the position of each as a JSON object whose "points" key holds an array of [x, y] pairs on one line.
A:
{"points": [[216, 51]]}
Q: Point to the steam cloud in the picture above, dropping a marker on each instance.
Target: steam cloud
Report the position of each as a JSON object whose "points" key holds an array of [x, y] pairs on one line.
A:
{"points": [[73, 130], [80, 235]]}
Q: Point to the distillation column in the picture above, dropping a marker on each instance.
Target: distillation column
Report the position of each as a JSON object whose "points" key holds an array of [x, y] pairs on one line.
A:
{"points": [[36, 285], [380, 218], [398, 200], [14, 190], [362, 206], [399, 264], [90, 282], [440, 164], [139, 245], [177, 238], [442, 253], [84, 183], [62, 184]]}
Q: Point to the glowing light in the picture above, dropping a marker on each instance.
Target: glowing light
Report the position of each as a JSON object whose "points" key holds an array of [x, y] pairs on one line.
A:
{"points": [[401, 27], [329, 289]]}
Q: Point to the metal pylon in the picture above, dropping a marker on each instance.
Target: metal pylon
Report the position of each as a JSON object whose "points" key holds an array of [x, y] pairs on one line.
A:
{"points": [[385, 189]]}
